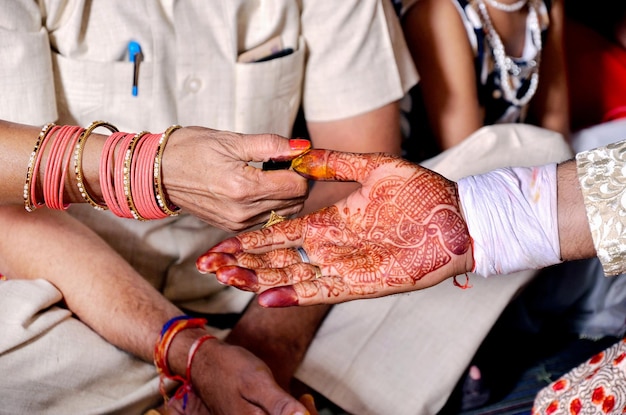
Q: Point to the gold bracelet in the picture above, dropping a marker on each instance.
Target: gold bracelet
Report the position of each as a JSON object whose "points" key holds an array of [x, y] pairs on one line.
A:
{"points": [[28, 203], [128, 158], [78, 162], [165, 206]]}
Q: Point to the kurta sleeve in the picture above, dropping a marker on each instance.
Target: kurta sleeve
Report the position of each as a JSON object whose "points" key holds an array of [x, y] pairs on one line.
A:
{"points": [[357, 58], [602, 176], [26, 79]]}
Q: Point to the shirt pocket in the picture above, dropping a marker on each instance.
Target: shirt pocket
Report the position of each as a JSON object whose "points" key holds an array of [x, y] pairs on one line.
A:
{"points": [[88, 91], [268, 94]]}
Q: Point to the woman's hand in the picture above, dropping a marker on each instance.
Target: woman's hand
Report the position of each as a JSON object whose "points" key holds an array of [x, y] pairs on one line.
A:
{"points": [[206, 173], [401, 231]]}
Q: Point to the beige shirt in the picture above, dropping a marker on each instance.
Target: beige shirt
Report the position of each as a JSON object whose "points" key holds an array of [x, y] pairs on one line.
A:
{"points": [[349, 58], [68, 61]]}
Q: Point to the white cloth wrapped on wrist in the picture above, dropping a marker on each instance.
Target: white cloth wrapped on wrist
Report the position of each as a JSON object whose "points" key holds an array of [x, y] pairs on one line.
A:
{"points": [[511, 214]]}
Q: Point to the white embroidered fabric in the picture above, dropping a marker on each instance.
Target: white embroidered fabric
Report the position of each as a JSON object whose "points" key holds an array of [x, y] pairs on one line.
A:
{"points": [[602, 176]]}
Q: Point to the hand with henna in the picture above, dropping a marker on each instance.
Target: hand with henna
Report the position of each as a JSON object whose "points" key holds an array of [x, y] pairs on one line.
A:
{"points": [[403, 230]]}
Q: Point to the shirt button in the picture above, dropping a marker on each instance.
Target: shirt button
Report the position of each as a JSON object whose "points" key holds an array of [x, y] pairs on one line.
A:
{"points": [[193, 84]]}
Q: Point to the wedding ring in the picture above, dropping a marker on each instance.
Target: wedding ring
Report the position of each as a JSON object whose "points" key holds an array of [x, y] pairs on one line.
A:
{"points": [[303, 256], [318, 272], [274, 219]]}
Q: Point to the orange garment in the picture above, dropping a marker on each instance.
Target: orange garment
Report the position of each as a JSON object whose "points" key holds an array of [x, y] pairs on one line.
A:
{"points": [[597, 76]]}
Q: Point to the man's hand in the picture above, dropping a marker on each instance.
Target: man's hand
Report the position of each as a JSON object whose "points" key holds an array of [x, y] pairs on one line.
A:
{"points": [[401, 231], [230, 380], [206, 173]]}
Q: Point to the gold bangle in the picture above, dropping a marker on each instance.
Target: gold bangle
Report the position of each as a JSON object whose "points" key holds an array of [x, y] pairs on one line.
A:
{"points": [[128, 157], [78, 162], [28, 203], [167, 207]]}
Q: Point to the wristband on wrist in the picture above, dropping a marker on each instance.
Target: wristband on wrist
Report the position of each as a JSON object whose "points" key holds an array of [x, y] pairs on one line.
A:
{"points": [[511, 215], [170, 329], [187, 386]]}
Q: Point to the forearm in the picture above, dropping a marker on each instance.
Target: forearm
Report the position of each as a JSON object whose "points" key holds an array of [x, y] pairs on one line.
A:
{"points": [[280, 337], [102, 290], [574, 233], [18, 143], [371, 132]]}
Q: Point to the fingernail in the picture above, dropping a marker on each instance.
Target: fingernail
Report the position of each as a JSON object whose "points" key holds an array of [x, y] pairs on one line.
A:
{"points": [[212, 261], [299, 144], [242, 278], [278, 297], [230, 245], [308, 397], [312, 165]]}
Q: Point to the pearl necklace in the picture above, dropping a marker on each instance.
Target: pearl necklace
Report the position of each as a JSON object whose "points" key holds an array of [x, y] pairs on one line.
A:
{"points": [[513, 7], [504, 63]]}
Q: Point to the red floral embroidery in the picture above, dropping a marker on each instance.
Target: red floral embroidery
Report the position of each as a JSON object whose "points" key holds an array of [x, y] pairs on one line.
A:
{"points": [[554, 405], [559, 385], [595, 359], [608, 404], [589, 389], [597, 395]]}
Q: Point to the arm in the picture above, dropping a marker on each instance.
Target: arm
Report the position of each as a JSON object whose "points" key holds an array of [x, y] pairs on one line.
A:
{"points": [[286, 333], [405, 230], [444, 60], [349, 98], [90, 284], [187, 154], [550, 107], [574, 233], [372, 132]]}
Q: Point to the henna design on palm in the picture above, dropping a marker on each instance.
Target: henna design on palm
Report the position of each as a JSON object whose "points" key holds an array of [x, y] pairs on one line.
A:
{"points": [[401, 226]]}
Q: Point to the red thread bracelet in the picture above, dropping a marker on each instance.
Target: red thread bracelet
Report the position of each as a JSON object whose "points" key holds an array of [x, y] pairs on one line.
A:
{"points": [[161, 348], [187, 386]]}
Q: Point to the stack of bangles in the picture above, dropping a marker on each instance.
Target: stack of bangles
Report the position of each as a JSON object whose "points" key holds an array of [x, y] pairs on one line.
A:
{"points": [[131, 184], [161, 349]]}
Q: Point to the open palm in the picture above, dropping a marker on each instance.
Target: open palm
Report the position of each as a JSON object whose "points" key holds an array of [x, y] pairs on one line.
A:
{"points": [[401, 231]]}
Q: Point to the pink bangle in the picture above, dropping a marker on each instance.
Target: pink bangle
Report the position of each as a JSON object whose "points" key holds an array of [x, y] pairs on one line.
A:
{"points": [[143, 172], [107, 173], [57, 166], [127, 174]]}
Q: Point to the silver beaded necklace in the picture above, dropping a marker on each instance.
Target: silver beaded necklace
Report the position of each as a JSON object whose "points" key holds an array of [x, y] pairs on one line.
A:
{"points": [[504, 63], [513, 7]]}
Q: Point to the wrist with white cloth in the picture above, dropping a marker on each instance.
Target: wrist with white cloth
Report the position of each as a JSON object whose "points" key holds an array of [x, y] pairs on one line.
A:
{"points": [[511, 215]]}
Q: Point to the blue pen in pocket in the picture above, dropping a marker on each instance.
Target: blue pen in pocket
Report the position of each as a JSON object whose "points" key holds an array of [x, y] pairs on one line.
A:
{"points": [[135, 55]]}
